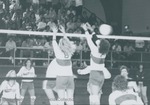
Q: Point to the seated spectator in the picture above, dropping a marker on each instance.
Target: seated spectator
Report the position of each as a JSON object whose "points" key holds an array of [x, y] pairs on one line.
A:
{"points": [[139, 45], [117, 54], [52, 13], [121, 95], [10, 49], [2, 8], [41, 25], [147, 48], [35, 4], [70, 25], [49, 49], [92, 19], [128, 51], [84, 17], [28, 53], [2, 50], [79, 6]]}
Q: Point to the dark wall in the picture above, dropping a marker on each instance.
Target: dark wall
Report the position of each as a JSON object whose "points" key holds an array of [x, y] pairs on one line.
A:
{"points": [[113, 13]]}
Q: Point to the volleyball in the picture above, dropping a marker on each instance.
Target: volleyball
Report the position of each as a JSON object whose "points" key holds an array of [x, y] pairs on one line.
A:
{"points": [[105, 29]]}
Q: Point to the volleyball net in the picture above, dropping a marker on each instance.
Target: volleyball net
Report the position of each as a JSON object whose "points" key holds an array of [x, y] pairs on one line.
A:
{"points": [[115, 57]]}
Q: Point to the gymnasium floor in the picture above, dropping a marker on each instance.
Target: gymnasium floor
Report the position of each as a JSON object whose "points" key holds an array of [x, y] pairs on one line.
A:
{"points": [[81, 94]]}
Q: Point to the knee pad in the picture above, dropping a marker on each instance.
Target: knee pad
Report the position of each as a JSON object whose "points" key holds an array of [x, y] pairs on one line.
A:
{"points": [[94, 99], [21, 99], [59, 102], [70, 102], [33, 98], [53, 102]]}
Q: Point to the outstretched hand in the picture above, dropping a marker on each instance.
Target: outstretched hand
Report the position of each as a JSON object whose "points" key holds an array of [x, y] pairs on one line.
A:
{"points": [[54, 29], [62, 28], [89, 26], [84, 26]]}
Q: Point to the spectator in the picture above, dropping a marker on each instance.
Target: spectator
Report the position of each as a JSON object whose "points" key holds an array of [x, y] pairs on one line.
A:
{"points": [[121, 95], [49, 48], [128, 51], [117, 54], [26, 52], [52, 13], [141, 78], [92, 19], [41, 25], [35, 4], [79, 6], [70, 25], [84, 17], [10, 49], [139, 45], [147, 49]]}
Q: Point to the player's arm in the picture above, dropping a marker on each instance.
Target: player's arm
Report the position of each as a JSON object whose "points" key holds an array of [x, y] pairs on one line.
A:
{"points": [[84, 71], [89, 38], [111, 100]]}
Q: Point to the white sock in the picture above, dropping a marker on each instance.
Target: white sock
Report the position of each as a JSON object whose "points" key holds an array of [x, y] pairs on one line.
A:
{"points": [[94, 100]]}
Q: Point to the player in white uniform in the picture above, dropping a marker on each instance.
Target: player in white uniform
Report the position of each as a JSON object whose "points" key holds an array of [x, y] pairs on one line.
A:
{"points": [[121, 94], [49, 86], [27, 71], [98, 71], [11, 90], [63, 67]]}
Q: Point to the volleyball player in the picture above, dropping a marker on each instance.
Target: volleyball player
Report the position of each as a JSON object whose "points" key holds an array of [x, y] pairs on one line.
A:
{"points": [[131, 84], [97, 70], [10, 89], [121, 94], [63, 65], [27, 71], [49, 86]]}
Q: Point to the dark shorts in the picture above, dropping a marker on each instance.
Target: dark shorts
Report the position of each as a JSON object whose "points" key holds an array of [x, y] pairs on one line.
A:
{"points": [[6, 101], [27, 85], [50, 84], [96, 78], [65, 82]]}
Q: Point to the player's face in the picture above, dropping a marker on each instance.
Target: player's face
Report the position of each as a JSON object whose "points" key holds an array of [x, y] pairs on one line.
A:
{"points": [[13, 74], [28, 63], [124, 72]]}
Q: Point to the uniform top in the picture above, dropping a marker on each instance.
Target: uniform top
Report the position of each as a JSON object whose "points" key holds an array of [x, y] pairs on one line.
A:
{"points": [[24, 72], [127, 97], [58, 52], [132, 85], [63, 62], [10, 92], [95, 52]]}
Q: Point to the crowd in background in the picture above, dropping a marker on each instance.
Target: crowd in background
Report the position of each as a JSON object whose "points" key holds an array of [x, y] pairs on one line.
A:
{"points": [[40, 15]]}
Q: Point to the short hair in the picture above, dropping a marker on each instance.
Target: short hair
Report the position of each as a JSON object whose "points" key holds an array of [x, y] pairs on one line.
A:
{"points": [[104, 46], [120, 83], [123, 67], [28, 59]]}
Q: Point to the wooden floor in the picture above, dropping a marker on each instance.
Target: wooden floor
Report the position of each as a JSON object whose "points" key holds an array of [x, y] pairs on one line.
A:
{"points": [[81, 94]]}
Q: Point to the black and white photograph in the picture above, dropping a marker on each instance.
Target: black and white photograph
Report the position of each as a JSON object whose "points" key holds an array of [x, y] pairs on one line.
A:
{"points": [[74, 52]]}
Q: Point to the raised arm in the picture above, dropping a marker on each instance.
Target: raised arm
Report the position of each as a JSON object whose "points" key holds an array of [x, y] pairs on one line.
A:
{"points": [[89, 37], [54, 43]]}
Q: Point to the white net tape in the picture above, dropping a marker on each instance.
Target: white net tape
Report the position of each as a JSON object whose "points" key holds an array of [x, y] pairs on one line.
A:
{"points": [[73, 35]]}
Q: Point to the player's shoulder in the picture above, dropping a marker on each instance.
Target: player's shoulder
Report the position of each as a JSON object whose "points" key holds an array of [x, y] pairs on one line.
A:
{"points": [[4, 82]]}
